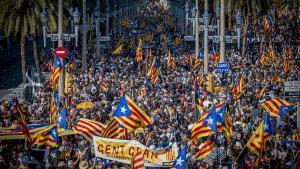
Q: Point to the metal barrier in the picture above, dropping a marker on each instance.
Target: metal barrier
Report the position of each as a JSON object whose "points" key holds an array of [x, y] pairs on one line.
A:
{"points": [[34, 82]]}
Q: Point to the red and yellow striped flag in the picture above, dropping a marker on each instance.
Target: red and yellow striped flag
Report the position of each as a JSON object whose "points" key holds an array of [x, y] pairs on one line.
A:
{"points": [[89, 128], [256, 141], [205, 149], [287, 65], [22, 121], [113, 130], [276, 106], [263, 90], [104, 86], [138, 53], [138, 161], [171, 62], [228, 127], [118, 49]]}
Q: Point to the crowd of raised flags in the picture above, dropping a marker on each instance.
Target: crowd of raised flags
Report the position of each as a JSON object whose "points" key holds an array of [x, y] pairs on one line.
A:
{"points": [[129, 117]]}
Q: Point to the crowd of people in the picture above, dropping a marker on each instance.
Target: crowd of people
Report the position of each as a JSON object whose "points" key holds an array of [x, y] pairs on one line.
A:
{"points": [[170, 101]]}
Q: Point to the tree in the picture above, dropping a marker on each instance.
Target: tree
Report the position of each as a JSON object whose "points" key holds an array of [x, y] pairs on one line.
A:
{"points": [[20, 18]]}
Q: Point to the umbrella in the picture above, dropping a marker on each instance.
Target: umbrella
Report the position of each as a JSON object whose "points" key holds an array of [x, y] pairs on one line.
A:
{"points": [[85, 105]]}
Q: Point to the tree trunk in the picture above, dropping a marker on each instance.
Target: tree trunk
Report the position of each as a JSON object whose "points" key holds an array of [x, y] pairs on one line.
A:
{"points": [[36, 53], [229, 15], [23, 58]]}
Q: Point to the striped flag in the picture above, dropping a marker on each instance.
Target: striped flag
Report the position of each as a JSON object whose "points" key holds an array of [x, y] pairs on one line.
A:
{"points": [[89, 128], [286, 65], [263, 90], [198, 99], [228, 127], [53, 110], [113, 130], [138, 161], [239, 89], [154, 70], [125, 22], [275, 78], [267, 26], [297, 160], [255, 143], [104, 86], [130, 115], [201, 130], [171, 62], [143, 91], [277, 107], [22, 121], [57, 71], [47, 136], [296, 137], [138, 53], [118, 49], [205, 149], [188, 59], [198, 60]]}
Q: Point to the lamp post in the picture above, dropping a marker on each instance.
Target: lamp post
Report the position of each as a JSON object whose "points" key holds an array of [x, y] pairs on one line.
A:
{"points": [[197, 30], [222, 32], [206, 18], [238, 18], [65, 36], [186, 16], [60, 36]]}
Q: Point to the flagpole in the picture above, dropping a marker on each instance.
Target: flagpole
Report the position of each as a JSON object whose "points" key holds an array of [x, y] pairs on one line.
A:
{"points": [[239, 155]]}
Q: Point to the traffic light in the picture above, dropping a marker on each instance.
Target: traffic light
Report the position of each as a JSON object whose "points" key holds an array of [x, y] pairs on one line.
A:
{"points": [[210, 85]]}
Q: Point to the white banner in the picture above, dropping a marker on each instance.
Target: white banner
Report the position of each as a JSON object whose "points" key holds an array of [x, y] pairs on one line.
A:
{"points": [[123, 151]]}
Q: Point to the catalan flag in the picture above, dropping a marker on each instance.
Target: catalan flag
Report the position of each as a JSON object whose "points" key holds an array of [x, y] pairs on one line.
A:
{"points": [[228, 127], [267, 25], [104, 86], [130, 115], [205, 149], [275, 78], [268, 128], [125, 22], [47, 136], [201, 129], [239, 89], [286, 65], [118, 49], [198, 99], [277, 107], [198, 60], [143, 91], [188, 59], [53, 110], [89, 128], [113, 130], [171, 62], [180, 162], [22, 121], [138, 161], [256, 142], [57, 71], [138, 53], [62, 119], [155, 70], [263, 90]]}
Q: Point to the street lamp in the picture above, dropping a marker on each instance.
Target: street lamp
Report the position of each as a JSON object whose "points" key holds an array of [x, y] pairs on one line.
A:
{"points": [[238, 18], [206, 18], [55, 36]]}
